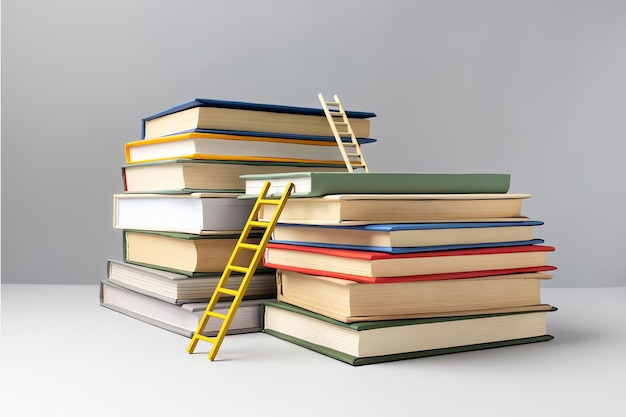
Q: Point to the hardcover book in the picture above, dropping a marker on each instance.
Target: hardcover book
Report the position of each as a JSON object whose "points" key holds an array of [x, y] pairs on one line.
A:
{"points": [[175, 288], [408, 237], [200, 175], [244, 117], [353, 209], [385, 267], [180, 319], [184, 253], [197, 213], [315, 184], [230, 147], [389, 340], [351, 301]]}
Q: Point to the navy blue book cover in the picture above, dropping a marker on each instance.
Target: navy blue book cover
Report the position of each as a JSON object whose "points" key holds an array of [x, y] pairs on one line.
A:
{"points": [[241, 105]]}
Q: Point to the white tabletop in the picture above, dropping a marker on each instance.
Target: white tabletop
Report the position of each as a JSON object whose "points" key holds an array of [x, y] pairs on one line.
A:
{"points": [[65, 355]]}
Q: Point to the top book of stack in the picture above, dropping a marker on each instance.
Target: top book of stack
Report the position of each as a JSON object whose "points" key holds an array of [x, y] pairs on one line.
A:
{"points": [[236, 117]]}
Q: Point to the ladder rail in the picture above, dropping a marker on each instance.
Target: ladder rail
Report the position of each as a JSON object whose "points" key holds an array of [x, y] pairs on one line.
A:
{"points": [[232, 266], [345, 132]]}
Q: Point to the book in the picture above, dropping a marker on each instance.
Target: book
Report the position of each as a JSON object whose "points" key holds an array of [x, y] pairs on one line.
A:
{"points": [[213, 114], [350, 301], [200, 175], [389, 340], [197, 213], [229, 147], [175, 288], [315, 184], [386, 267], [398, 208], [408, 237], [180, 319], [184, 253]]}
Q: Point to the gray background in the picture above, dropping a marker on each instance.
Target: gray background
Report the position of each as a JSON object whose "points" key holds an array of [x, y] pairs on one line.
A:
{"points": [[532, 88]]}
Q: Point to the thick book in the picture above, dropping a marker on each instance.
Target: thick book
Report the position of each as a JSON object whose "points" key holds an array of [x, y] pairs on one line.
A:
{"points": [[315, 184], [230, 147], [244, 117], [176, 288], [185, 253], [390, 340], [351, 301], [180, 319], [408, 237], [386, 267], [398, 208], [198, 213], [200, 175]]}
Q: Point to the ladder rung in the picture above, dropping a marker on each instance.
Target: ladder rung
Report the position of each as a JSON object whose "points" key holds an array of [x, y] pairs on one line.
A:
{"points": [[250, 246], [227, 291], [239, 268], [232, 267], [332, 103], [215, 314], [258, 223], [340, 123], [267, 201], [344, 133], [203, 337], [349, 144]]}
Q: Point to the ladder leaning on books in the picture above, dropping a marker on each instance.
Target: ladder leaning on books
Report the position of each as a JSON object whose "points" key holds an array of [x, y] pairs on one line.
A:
{"points": [[232, 266], [341, 128]]}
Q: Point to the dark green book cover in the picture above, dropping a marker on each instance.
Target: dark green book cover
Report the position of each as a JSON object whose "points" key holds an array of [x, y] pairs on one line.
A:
{"points": [[363, 326], [315, 184], [185, 236], [181, 161]]}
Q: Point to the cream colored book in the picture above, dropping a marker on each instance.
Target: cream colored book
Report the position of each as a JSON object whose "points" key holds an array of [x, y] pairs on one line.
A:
{"points": [[200, 175], [186, 253], [388, 340], [351, 301], [215, 114], [369, 266], [387, 208], [230, 147], [405, 236]]}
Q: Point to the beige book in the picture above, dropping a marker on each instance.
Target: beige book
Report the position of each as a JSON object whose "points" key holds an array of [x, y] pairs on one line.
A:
{"points": [[246, 120], [350, 301], [363, 208]]}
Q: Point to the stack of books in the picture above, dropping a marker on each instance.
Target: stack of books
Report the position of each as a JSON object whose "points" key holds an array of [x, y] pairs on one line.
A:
{"points": [[375, 267], [180, 214]]}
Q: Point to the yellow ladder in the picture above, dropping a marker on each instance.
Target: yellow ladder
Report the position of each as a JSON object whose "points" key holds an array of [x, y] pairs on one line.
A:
{"points": [[340, 125], [238, 294]]}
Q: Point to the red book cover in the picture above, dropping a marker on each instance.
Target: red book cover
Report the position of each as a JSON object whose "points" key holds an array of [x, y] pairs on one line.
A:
{"points": [[371, 256]]}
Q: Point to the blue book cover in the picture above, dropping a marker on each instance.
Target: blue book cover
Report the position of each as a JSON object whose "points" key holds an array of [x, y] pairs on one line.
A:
{"points": [[413, 249], [275, 135], [388, 228], [241, 105]]}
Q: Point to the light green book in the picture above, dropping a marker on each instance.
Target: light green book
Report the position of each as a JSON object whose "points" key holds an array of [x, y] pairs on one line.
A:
{"points": [[187, 254], [315, 183], [181, 176], [390, 340]]}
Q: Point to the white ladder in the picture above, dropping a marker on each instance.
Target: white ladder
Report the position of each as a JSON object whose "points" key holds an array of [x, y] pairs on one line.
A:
{"points": [[340, 125]]}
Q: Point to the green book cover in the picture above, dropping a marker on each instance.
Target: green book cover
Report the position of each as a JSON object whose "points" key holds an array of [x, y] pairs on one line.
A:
{"points": [[254, 166], [371, 325], [356, 361], [314, 184], [185, 236]]}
